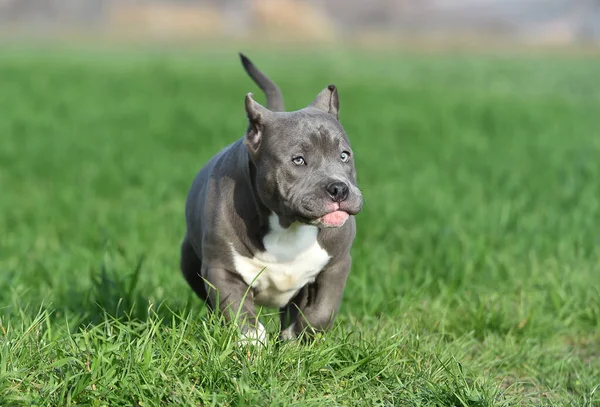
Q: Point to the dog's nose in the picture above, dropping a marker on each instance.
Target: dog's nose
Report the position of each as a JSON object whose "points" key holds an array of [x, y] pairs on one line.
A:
{"points": [[338, 191]]}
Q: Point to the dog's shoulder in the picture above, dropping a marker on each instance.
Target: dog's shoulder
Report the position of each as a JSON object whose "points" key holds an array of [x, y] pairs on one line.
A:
{"points": [[211, 198]]}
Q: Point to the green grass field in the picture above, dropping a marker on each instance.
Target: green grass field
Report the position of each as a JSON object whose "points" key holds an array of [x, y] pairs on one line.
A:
{"points": [[476, 275]]}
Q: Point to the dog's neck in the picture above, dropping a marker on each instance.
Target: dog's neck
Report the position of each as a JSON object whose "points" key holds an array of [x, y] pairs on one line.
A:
{"points": [[261, 209]]}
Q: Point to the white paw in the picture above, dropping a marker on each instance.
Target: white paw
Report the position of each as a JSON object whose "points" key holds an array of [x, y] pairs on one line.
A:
{"points": [[257, 336], [288, 333]]}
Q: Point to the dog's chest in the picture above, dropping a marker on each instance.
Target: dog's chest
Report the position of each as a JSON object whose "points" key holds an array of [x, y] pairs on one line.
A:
{"points": [[292, 259]]}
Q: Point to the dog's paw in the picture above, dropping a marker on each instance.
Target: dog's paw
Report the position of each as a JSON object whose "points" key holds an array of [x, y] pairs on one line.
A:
{"points": [[253, 336], [288, 334]]}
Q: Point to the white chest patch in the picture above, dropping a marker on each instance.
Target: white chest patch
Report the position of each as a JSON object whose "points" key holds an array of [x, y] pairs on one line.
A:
{"points": [[292, 259]]}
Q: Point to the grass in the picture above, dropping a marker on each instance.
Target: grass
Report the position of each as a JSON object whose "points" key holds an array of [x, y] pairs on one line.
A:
{"points": [[475, 276]]}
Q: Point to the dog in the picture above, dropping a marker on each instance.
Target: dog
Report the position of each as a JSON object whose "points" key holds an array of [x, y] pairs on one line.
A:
{"points": [[270, 219]]}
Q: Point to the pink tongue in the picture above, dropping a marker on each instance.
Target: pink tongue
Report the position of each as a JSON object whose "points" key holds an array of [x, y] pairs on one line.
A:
{"points": [[336, 218]]}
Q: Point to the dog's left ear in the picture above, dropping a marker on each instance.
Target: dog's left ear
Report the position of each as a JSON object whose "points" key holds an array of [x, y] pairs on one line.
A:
{"points": [[257, 117], [328, 101]]}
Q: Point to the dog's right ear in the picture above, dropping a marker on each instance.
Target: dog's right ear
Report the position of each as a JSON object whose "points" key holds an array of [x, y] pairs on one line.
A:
{"points": [[257, 116]]}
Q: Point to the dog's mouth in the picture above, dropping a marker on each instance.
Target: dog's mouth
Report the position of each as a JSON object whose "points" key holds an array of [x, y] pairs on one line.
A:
{"points": [[335, 218], [326, 214]]}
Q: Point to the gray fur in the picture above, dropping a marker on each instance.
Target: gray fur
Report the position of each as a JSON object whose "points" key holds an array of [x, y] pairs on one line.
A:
{"points": [[271, 90], [232, 196]]}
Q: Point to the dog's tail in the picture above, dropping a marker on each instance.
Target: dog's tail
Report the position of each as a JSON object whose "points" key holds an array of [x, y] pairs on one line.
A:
{"points": [[272, 91]]}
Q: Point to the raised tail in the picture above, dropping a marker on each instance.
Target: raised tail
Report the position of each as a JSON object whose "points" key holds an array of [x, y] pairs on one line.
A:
{"points": [[271, 90]]}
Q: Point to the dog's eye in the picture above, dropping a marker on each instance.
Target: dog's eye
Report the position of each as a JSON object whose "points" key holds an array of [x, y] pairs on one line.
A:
{"points": [[299, 160], [345, 156]]}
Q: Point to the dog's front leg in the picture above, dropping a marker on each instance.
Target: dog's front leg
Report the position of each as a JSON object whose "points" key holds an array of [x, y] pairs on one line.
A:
{"points": [[229, 294], [315, 307]]}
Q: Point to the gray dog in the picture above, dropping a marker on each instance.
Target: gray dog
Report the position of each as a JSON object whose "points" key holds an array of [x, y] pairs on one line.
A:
{"points": [[270, 218]]}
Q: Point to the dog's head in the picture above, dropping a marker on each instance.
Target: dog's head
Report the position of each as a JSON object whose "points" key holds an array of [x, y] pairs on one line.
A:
{"points": [[304, 163]]}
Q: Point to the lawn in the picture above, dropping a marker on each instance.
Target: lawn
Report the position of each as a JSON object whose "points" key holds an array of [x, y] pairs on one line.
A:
{"points": [[476, 274]]}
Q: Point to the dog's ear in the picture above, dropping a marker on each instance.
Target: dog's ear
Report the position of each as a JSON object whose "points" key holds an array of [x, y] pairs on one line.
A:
{"points": [[328, 101], [257, 116]]}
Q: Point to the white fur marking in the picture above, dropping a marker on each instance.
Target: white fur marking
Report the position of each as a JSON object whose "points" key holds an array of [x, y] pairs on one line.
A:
{"points": [[255, 335], [292, 259], [288, 333]]}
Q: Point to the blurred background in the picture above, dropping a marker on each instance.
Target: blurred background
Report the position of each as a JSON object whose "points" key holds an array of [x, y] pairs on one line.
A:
{"points": [[421, 23]]}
